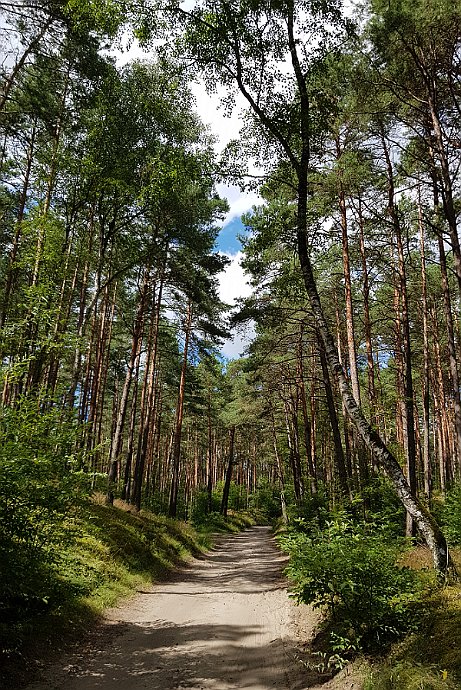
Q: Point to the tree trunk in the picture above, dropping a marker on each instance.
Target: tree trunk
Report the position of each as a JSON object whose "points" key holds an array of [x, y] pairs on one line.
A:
{"points": [[147, 395], [446, 188], [209, 463], [427, 467], [340, 460], [136, 344], [176, 452], [228, 479], [456, 398], [367, 320], [126, 489], [280, 472], [424, 520], [404, 333], [350, 330], [441, 406], [306, 420]]}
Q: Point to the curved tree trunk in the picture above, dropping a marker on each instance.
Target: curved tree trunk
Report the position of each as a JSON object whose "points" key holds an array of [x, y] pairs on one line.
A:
{"points": [[423, 519]]}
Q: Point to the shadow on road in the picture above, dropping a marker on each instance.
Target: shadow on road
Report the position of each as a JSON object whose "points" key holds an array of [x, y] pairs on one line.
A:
{"points": [[172, 657], [218, 624]]}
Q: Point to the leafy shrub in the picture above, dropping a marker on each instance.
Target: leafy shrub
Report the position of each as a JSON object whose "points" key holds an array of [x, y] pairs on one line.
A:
{"points": [[237, 496], [267, 500], [351, 571], [41, 481], [383, 507], [312, 513], [451, 515], [200, 506]]}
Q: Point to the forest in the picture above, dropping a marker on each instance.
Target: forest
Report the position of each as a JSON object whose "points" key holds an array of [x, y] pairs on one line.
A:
{"points": [[341, 420]]}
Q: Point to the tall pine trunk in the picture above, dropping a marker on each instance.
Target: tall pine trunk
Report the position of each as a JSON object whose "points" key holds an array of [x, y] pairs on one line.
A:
{"points": [[403, 326], [176, 450], [427, 466], [229, 470], [136, 344]]}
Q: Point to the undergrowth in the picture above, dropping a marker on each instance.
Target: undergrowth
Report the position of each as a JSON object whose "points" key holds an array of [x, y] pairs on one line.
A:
{"points": [[429, 659], [350, 570], [350, 561]]}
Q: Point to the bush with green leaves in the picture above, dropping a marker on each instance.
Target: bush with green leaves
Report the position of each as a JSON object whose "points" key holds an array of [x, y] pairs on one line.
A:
{"points": [[350, 570], [311, 513], [41, 481], [382, 506], [266, 499], [451, 515], [200, 509]]}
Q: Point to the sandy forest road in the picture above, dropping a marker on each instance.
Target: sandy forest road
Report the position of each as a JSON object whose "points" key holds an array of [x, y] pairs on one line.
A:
{"points": [[219, 624]]}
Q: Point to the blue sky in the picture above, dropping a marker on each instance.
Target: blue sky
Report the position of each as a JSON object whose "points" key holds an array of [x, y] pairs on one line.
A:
{"points": [[227, 241], [233, 284]]}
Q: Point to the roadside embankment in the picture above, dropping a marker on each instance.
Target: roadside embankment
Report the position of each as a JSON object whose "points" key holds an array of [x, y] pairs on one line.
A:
{"points": [[106, 554]]}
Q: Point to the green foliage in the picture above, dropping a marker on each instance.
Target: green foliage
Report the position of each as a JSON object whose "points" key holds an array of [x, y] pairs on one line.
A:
{"points": [[338, 659], [41, 483], [451, 515], [312, 513], [201, 509], [266, 499], [407, 675], [206, 521], [382, 506], [350, 570], [237, 497], [41, 480], [215, 522]]}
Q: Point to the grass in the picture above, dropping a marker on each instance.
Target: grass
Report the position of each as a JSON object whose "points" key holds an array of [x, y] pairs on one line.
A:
{"points": [[431, 658], [215, 523], [108, 554]]}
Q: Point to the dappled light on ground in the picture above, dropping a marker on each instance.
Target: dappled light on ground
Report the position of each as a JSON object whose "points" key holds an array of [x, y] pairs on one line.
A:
{"points": [[221, 623]]}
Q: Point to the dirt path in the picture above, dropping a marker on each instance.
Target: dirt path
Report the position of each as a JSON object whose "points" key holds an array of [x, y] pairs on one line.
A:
{"points": [[220, 624]]}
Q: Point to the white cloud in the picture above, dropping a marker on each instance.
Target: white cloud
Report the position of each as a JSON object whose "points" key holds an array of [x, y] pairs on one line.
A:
{"points": [[238, 203], [232, 285], [210, 110], [232, 281], [234, 347], [225, 128]]}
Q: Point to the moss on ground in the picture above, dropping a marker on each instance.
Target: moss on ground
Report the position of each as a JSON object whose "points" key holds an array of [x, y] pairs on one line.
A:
{"points": [[429, 659]]}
